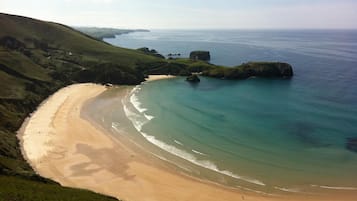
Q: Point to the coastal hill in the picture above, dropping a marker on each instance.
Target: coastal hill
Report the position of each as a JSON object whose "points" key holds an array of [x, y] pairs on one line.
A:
{"points": [[37, 58]]}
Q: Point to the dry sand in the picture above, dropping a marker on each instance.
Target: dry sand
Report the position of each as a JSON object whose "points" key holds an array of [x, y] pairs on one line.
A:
{"points": [[159, 77], [61, 145]]}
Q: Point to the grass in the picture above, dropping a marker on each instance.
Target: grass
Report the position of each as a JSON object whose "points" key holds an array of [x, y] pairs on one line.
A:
{"points": [[36, 59], [18, 189]]}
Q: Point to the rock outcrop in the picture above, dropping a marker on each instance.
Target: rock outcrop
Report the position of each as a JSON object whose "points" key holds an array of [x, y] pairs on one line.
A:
{"points": [[200, 55], [151, 52], [193, 78], [352, 144], [251, 69]]}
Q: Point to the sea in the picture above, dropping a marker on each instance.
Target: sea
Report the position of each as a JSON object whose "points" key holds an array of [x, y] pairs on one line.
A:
{"points": [[270, 136]]}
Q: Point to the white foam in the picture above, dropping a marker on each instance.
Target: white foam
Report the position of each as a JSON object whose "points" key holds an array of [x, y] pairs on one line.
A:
{"points": [[134, 118], [167, 160], [197, 152], [255, 191], [148, 117], [191, 158], [136, 103], [115, 126], [136, 88], [337, 187], [135, 100], [178, 142], [290, 190]]}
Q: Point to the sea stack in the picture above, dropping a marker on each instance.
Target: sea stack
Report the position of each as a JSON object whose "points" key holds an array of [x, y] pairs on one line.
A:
{"points": [[200, 55], [352, 144], [193, 78]]}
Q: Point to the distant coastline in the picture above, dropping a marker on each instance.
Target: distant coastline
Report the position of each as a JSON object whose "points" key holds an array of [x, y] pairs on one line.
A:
{"points": [[102, 33]]}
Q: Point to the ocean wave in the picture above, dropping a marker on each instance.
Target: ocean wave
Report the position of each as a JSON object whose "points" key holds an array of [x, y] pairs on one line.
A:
{"points": [[255, 191], [136, 88], [135, 119], [178, 142], [191, 158], [135, 100], [148, 117], [115, 126], [139, 120], [197, 152], [336, 187], [167, 160], [290, 190]]}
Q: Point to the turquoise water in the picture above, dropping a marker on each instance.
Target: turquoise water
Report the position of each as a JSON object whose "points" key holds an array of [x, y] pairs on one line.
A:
{"points": [[269, 135]]}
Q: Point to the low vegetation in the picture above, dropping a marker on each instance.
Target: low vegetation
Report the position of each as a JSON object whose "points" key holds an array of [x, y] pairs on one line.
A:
{"points": [[246, 70], [19, 189], [36, 59]]}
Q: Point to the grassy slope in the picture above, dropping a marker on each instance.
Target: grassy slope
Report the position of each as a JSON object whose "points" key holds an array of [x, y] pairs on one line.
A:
{"points": [[37, 58], [18, 189], [66, 38]]}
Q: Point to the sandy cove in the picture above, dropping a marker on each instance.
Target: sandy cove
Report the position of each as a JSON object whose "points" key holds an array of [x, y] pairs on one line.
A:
{"points": [[61, 145], [159, 77]]}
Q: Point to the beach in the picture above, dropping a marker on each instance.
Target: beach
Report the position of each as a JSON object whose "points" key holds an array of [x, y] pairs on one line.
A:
{"points": [[60, 144], [159, 77]]}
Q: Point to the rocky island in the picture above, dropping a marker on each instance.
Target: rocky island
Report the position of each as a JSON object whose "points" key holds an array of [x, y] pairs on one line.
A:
{"points": [[193, 78], [200, 55], [252, 69], [351, 144]]}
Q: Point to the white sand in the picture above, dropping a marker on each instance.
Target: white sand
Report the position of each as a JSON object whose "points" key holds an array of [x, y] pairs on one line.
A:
{"points": [[159, 77]]}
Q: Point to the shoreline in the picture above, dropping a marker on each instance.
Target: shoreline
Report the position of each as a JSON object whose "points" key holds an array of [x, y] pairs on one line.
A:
{"points": [[47, 104], [76, 153]]}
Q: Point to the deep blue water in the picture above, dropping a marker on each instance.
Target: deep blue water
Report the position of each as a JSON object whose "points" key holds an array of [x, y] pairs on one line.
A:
{"points": [[282, 134]]}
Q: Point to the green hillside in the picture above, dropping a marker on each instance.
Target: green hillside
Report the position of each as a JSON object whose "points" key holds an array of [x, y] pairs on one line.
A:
{"points": [[20, 189], [36, 59]]}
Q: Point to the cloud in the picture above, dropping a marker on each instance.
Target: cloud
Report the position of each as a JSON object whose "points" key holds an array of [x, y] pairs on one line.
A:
{"points": [[192, 14]]}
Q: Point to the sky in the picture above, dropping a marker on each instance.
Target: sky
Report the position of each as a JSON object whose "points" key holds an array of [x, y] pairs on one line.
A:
{"points": [[191, 14]]}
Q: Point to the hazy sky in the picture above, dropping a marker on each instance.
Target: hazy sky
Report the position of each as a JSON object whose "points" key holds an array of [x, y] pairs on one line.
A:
{"points": [[190, 14]]}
